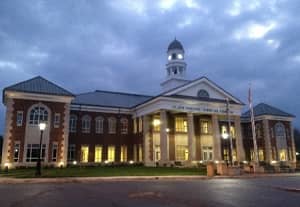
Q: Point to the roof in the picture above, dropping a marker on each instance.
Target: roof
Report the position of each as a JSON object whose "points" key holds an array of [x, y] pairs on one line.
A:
{"points": [[39, 85], [175, 44], [206, 99], [265, 109], [110, 99]]}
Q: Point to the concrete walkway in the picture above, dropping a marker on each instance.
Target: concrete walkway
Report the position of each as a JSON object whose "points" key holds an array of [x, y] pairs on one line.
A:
{"points": [[4, 180]]}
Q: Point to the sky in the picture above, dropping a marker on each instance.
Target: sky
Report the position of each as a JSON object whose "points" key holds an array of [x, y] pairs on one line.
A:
{"points": [[120, 45]]}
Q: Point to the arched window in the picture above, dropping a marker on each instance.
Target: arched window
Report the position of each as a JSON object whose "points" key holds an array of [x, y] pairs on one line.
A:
{"points": [[281, 141], [38, 114], [86, 124], [112, 125], [73, 123], [99, 124], [124, 126], [203, 94]]}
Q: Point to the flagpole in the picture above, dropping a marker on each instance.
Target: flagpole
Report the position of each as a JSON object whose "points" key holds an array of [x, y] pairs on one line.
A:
{"points": [[256, 161]]}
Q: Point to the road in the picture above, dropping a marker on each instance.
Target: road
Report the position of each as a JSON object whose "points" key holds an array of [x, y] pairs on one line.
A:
{"points": [[191, 193]]}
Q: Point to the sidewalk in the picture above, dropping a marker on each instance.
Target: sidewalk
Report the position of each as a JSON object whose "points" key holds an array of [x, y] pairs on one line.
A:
{"points": [[4, 180]]}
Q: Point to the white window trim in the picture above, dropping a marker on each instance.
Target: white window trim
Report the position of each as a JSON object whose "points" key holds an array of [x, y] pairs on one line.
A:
{"points": [[56, 123], [21, 121]]}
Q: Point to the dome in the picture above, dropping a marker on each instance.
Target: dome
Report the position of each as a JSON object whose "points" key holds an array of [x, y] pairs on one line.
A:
{"points": [[175, 45]]}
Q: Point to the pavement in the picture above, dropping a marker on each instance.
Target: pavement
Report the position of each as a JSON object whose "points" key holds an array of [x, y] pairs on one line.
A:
{"points": [[184, 191]]}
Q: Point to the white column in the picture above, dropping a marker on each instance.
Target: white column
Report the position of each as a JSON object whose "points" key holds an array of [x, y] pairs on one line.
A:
{"points": [[268, 148], [293, 142], [7, 134], [216, 138], [191, 137], [239, 139], [164, 152], [146, 139]]}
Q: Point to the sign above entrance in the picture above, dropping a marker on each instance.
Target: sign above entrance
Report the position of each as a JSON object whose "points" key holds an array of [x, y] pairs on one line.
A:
{"points": [[204, 109]]}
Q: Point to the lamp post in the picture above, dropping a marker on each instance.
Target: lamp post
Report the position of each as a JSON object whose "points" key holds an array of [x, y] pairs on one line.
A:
{"points": [[38, 172]]}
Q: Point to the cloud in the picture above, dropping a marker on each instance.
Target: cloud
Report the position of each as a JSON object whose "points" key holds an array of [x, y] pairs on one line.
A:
{"points": [[121, 45]]}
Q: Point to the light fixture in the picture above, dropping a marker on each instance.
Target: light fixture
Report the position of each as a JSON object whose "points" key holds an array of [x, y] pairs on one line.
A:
{"points": [[217, 161], [245, 162], [170, 57], [225, 135], [156, 122], [74, 162], [131, 162], [6, 164], [273, 161], [106, 161], [61, 164], [180, 56], [167, 130], [297, 153], [42, 126], [201, 161]]}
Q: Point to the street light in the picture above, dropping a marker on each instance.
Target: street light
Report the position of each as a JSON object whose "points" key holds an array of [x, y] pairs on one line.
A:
{"points": [[38, 172]]}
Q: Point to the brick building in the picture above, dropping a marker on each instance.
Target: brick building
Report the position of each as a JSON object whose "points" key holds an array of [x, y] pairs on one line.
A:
{"points": [[186, 123]]}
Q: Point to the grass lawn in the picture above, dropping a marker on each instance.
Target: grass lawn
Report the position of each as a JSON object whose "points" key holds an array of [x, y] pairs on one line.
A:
{"points": [[103, 172]]}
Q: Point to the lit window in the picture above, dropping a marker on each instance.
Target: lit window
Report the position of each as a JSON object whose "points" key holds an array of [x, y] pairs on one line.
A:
{"points": [[223, 130], [112, 125], [205, 128], [261, 155], [156, 124], [86, 124], [170, 57], [180, 56], [71, 152], [54, 152], [282, 155], [123, 153], [140, 153], [56, 120], [180, 124], [16, 151], [38, 114], [134, 126], [99, 125], [19, 118], [124, 126], [33, 152], [84, 154], [207, 153], [111, 154], [98, 154], [182, 153], [73, 123]]}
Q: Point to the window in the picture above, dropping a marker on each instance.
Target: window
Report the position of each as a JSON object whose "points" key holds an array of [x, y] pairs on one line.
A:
{"points": [[86, 124], [173, 56], [180, 124], [98, 153], [207, 153], [282, 155], [111, 154], [33, 152], [140, 153], [134, 126], [19, 118], [281, 141], [123, 153], [205, 127], [71, 152], [16, 151], [182, 152], [112, 125], [56, 120], [226, 154], [140, 124], [54, 152], [261, 156], [203, 94], [84, 154], [38, 114], [99, 125], [73, 123], [223, 129], [124, 126], [156, 124]]}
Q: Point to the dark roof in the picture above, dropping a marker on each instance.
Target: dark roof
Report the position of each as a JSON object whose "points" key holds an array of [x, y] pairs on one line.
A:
{"points": [[265, 109], [207, 99], [40, 85], [175, 44], [110, 99]]}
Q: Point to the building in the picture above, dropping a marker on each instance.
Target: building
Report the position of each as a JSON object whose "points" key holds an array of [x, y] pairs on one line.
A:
{"points": [[183, 125]]}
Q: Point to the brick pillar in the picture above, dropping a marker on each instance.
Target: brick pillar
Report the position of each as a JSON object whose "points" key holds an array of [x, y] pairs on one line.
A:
{"points": [[239, 140], [216, 138], [7, 134], [164, 149], [191, 137], [268, 148], [65, 144]]}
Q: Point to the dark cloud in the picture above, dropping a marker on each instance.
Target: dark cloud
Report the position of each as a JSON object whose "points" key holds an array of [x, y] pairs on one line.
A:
{"points": [[120, 45]]}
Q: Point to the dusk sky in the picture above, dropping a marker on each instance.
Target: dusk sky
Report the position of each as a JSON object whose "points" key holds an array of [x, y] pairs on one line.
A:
{"points": [[120, 45]]}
